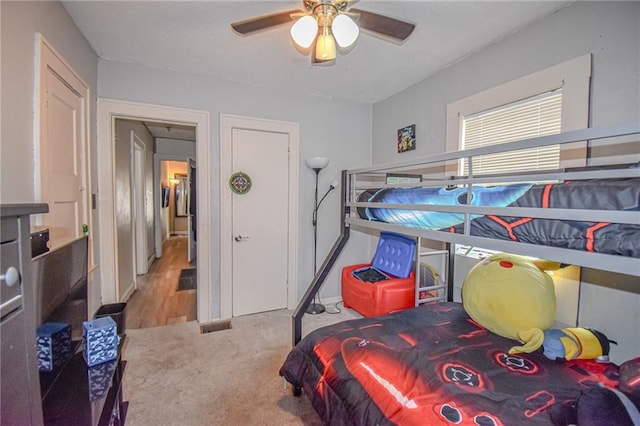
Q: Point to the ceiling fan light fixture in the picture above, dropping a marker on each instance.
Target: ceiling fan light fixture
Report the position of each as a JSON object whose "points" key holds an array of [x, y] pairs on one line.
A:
{"points": [[304, 31], [344, 30], [325, 46]]}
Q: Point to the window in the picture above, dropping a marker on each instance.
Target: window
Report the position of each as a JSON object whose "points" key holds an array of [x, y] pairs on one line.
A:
{"points": [[532, 117], [543, 103], [549, 101]]}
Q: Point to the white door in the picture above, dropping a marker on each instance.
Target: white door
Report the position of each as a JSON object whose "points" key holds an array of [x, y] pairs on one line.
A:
{"points": [[260, 222], [61, 160], [191, 211]]}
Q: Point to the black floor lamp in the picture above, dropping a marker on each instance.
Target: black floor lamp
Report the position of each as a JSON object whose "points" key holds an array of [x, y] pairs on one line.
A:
{"points": [[316, 164]]}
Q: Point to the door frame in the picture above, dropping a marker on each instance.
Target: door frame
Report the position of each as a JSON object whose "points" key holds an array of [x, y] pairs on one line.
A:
{"points": [[108, 111], [228, 122], [191, 163], [138, 195]]}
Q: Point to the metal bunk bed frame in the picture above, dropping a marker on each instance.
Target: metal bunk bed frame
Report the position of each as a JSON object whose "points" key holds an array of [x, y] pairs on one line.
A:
{"points": [[606, 262]]}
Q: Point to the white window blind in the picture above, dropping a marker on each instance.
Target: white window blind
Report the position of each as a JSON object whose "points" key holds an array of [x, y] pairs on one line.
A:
{"points": [[532, 117]]}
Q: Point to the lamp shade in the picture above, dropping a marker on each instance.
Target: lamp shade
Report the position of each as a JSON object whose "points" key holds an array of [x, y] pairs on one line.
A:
{"points": [[317, 163], [344, 30], [304, 31]]}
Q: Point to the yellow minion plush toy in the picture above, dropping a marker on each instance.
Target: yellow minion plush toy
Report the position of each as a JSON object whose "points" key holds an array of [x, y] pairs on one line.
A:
{"points": [[513, 297], [575, 343]]}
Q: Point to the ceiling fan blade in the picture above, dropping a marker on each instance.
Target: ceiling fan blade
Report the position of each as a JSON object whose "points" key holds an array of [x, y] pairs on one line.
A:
{"points": [[266, 21], [384, 25]]}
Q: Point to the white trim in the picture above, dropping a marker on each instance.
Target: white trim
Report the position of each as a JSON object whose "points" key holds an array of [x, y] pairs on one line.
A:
{"points": [[108, 111], [150, 261], [139, 219], [128, 292], [227, 123], [573, 76], [331, 300]]}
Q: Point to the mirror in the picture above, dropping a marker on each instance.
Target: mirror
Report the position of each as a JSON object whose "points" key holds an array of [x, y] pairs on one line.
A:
{"points": [[182, 195]]}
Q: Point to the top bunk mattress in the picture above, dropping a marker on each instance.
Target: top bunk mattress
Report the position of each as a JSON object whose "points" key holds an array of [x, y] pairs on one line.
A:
{"points": [[599, 236]]}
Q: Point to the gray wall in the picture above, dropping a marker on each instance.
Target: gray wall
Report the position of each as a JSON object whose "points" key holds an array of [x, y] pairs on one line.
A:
{"points": [[124, 211], [607, 30], [338, 130], [175, 148], [20, 22]]}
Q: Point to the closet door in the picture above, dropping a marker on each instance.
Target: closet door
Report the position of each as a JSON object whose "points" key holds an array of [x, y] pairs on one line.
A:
{"points": [[260, 222]]}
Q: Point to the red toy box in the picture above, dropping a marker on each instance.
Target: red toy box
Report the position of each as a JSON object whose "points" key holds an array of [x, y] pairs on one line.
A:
{"points": [[395, 291]]}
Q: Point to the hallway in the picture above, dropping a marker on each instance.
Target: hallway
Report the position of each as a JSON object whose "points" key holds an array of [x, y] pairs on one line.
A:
{"points": [[156, 301]]}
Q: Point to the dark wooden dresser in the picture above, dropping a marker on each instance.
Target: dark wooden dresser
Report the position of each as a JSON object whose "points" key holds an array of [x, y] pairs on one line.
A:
{"points": [[76, 394], [19, 390], [71, 394]]}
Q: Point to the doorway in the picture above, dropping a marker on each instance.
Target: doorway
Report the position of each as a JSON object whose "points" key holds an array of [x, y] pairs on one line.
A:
{"points": [[175, 217], [108, 112], [151, 288], [259, 219]]}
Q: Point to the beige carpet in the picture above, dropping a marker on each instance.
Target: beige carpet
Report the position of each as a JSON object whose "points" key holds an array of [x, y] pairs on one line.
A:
{"points": [[177, 376]]}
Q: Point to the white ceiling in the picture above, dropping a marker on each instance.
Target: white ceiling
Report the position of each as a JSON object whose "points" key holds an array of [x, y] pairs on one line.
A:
{"points": [[195, 36], [171, 131]]}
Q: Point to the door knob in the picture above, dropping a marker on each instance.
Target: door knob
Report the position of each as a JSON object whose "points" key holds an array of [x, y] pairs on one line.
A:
{"points": [[240, 238]]}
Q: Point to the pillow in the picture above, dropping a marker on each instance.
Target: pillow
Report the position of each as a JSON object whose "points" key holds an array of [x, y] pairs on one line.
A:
{"points": [[600, 405], [630, 376], [611, 407], [511, 296]]}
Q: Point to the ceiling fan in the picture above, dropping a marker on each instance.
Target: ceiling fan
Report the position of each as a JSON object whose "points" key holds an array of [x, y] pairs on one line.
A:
{"points": [[327, 22]]}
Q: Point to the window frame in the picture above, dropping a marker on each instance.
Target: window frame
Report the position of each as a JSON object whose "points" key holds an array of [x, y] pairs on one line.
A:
{"points": [[573, 77]]}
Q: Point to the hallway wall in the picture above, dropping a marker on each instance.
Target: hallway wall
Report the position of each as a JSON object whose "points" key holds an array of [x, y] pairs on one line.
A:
{"points": [[124, 212]]}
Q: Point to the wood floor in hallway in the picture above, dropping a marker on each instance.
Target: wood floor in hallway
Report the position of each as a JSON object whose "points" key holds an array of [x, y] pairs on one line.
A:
{"points": [[157, 300]]}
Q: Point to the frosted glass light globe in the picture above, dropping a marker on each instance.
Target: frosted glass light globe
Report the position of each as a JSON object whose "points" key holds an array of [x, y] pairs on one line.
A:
{"points": [[304, 31], [344, 30]]}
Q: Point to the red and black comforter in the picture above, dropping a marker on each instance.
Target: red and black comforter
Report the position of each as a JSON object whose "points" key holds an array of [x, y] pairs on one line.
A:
{"points": [[433, 365]]}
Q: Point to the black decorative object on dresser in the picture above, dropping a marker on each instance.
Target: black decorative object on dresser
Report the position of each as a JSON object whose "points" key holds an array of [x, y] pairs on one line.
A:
{"points": [[81, 395]]}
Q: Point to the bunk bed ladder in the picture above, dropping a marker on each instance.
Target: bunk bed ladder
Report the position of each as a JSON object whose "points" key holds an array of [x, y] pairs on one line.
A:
{"points": [[439, 291], [326, 266]]}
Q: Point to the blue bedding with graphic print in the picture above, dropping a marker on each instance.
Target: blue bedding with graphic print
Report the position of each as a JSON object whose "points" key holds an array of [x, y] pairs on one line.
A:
{"points": [[600, 237]]}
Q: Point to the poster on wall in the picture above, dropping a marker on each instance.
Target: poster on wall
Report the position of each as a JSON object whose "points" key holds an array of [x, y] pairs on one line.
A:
{"points": [[165, 196], [407, 138]]}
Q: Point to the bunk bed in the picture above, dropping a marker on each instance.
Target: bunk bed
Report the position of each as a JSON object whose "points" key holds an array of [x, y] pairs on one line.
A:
{"points": [[432, 364]]}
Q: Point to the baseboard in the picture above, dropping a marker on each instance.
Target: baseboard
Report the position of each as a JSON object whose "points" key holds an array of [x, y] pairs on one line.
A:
{"points": [[331, 300], [127, 294], [150, 261]]}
